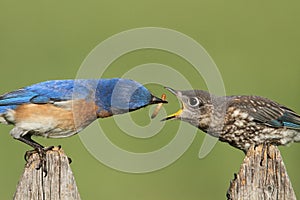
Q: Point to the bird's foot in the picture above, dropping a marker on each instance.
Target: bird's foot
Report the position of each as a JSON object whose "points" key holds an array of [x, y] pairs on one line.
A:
{"points": [[29, 153], [42, 157], [41, 151]]}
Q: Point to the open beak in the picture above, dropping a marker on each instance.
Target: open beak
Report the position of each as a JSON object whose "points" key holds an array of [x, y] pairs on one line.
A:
{"points": [[178, 113]]}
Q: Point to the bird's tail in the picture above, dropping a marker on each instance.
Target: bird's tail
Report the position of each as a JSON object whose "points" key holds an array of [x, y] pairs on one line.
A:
{"points": [[2, 120], [3, 111], [9, 101]]}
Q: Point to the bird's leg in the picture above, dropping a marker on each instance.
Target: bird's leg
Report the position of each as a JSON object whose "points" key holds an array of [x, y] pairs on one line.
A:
{"points": [[25, 137], [37, 149], [27, 140], [41, 150]]}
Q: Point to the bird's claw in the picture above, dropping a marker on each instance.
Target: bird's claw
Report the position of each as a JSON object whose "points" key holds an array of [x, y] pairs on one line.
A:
{"points": [[42, 157]]}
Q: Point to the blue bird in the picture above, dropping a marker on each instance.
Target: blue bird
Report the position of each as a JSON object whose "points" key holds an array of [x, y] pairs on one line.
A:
{"points": [[62, 108], [241, 121]]}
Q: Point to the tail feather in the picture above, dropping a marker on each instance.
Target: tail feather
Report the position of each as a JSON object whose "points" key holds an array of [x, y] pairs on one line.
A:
{"points": [[11, 100], [290, 119], [4, 109], [2, 120], [3, 112], [14, 101]]}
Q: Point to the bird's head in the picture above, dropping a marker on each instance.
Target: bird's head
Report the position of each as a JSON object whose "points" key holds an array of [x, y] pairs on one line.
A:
{"points": [[195, 108], [119, 96]]}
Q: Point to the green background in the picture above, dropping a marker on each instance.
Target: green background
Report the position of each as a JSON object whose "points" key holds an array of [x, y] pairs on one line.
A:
{"points": [[255, 45]]}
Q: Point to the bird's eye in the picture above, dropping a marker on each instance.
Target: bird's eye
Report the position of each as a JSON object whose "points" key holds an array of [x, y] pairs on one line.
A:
{"points": [[193, 101]]}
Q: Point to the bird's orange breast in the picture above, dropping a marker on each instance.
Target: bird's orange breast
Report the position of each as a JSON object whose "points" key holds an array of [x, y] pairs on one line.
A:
{"points": [[70, 116]]}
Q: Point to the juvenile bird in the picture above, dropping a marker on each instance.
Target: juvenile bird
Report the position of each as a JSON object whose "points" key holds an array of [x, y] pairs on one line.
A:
{"points": [[62, 108], [241, 121]]}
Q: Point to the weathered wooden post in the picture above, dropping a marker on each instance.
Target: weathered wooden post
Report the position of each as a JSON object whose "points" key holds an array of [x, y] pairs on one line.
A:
{"points": [[59, 184], [262, 176]]}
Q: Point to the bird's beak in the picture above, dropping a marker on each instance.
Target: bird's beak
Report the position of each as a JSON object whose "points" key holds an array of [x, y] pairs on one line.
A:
{"points": [[172, 116], [178, 113], [156, 100]]}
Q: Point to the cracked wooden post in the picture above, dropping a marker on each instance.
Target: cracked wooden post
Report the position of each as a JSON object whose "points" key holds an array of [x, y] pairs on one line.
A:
{"points": [[262, 176], [59, 183]]}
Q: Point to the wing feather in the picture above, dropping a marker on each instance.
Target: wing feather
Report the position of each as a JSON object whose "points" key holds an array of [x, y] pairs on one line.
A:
{"points": [[268, 112]]}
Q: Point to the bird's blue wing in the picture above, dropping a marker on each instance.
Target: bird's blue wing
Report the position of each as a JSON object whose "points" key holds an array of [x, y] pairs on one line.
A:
{"points": [[39, 93], [16, 97], [47, 92], [117, 94], [56, 90], [13, 99]]}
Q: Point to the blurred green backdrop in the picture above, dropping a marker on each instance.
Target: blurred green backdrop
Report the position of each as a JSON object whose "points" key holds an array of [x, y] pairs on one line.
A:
{"points": [[255, 45]]}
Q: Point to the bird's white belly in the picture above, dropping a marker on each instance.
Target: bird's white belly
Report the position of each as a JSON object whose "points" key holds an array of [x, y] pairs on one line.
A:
{"points": [[46, 127]]}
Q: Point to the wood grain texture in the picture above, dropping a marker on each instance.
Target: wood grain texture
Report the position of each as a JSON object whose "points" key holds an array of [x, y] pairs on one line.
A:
{"points": [[262, 176], [59, 183]]}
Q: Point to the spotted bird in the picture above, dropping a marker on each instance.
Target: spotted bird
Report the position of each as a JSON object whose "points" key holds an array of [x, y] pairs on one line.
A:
{"points": [[241, 121]]}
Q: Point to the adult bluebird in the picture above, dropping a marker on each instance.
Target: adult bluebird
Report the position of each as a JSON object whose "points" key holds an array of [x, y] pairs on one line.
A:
{"points": [[241, 121], [62, 108]]}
